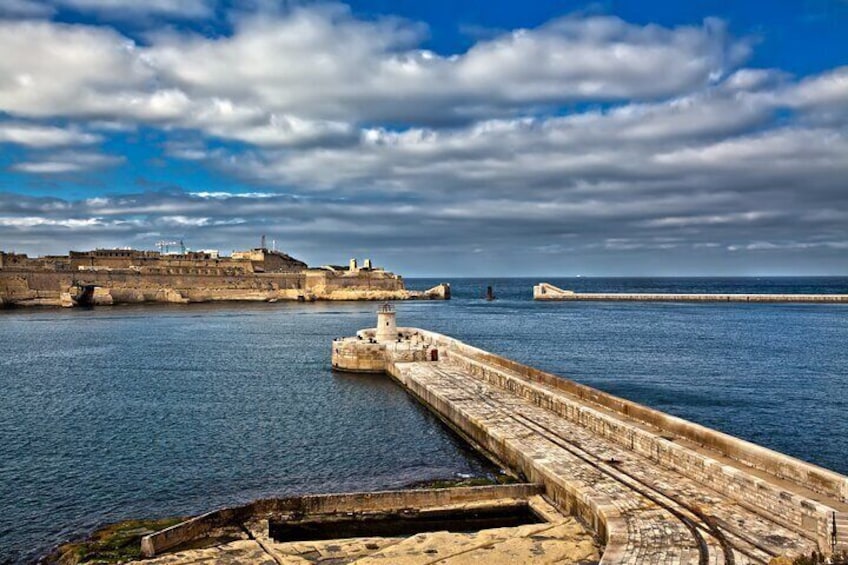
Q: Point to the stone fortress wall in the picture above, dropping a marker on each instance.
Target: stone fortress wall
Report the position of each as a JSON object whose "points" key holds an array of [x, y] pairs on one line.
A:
{"points": [[112, 276]]}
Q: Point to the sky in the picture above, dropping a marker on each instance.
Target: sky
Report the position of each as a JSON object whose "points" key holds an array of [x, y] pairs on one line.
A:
{"points": [[439, 138]]}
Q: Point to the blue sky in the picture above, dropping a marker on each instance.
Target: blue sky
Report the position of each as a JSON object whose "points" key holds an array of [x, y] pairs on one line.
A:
{"points": [[438, 138]]}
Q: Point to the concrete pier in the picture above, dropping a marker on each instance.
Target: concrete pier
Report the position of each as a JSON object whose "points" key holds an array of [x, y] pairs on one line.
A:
{"points": [[655, 488], [547, 291]]}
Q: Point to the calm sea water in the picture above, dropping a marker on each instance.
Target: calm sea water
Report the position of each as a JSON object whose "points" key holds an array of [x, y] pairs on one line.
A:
{"points": [[130, 411]]}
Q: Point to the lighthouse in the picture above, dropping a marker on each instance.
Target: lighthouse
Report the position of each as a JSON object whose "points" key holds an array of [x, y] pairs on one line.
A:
{"points": [[386, 323]]}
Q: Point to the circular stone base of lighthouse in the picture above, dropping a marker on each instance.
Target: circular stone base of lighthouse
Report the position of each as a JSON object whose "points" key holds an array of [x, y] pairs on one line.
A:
{"points": [[358, 355]]}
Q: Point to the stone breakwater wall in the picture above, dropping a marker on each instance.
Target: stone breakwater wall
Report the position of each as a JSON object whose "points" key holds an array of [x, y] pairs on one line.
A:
{"points": [[329, 505], [766, 503], [112, 287], [69, 288], [546, 291]]}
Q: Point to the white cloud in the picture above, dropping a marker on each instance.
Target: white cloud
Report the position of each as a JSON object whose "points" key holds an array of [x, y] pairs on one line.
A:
{"points": [[710, 220], [220, 195], [827, 89], [50, 69], [35, 221], [317, 69], [25, 9], [67, 162], [126, 9], [324, 64], [584, 135], [33, 135], [284, 131]]}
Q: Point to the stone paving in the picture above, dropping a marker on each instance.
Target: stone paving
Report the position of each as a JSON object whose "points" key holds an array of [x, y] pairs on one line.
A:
{"points": [[560, 539], [668, 516]]}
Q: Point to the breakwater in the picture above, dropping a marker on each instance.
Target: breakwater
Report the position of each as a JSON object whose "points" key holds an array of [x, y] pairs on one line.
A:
{"points": [[547, 291], [656, 488]]}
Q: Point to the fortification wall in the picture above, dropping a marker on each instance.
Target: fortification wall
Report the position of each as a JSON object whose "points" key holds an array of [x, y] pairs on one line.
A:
{"points": [[328, 282], [27, 286], [47, 288]]}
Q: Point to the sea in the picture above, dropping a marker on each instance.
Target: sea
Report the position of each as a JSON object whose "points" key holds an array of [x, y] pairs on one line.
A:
{"points": [[146, 411]]}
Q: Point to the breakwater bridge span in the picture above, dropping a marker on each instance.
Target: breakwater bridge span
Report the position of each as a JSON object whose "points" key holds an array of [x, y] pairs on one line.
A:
{"points": [[654, 487]]}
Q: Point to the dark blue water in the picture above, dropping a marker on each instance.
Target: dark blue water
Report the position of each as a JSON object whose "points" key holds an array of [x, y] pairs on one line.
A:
{"points": [[146, 411]]}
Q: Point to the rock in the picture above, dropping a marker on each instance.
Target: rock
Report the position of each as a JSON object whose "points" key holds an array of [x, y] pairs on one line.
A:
{"points": [[170, 295], [439, 292], [66, 300], [102, 297]]}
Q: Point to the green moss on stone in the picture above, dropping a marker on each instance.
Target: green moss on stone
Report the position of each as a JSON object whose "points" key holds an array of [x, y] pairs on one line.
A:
{"points": [[115, 543]]}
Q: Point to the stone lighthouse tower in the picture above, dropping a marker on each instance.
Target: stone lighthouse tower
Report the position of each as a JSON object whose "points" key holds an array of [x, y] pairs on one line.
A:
{"points": [[386, 323]]}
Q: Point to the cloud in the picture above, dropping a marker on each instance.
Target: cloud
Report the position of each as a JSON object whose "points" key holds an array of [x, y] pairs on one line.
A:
{"points": [[128, 9], [114, 9], [67, 162], [68, 70], [823, 96], [317, 69], [587, 140], [371, 71], [34, 135], [25, 9]]}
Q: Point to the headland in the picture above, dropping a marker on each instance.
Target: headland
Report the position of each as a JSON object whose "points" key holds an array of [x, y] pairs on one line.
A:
{"points": [[128, 276]]}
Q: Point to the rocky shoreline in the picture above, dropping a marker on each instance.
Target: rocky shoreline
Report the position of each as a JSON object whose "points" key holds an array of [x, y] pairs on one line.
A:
{"points": [[106, 296]]}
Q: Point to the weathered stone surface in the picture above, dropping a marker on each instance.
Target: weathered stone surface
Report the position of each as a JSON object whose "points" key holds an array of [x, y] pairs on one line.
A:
{"points": [[561, 539], [237, 552], [658, 489], [121, 286], [563, 542], [170, 295]]}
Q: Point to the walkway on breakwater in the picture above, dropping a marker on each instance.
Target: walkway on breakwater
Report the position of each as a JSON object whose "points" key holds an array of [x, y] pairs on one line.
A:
{"points": [[547, 291], [655, 488]]}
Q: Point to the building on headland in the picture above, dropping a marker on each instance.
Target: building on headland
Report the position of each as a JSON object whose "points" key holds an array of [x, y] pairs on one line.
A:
{"points": [[108, 276], [269, 261]]}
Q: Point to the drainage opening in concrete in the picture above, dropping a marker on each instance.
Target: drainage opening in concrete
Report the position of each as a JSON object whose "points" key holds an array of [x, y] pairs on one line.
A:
{"points": [[396, 524]]}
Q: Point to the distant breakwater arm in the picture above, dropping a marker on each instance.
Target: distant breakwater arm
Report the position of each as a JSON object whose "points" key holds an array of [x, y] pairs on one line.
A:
{"points": [[547, 291]]}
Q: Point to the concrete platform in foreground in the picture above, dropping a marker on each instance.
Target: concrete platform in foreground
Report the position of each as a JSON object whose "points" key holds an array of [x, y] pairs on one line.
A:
{"points": [[655, 488], [251, 534], [547, 291]]}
